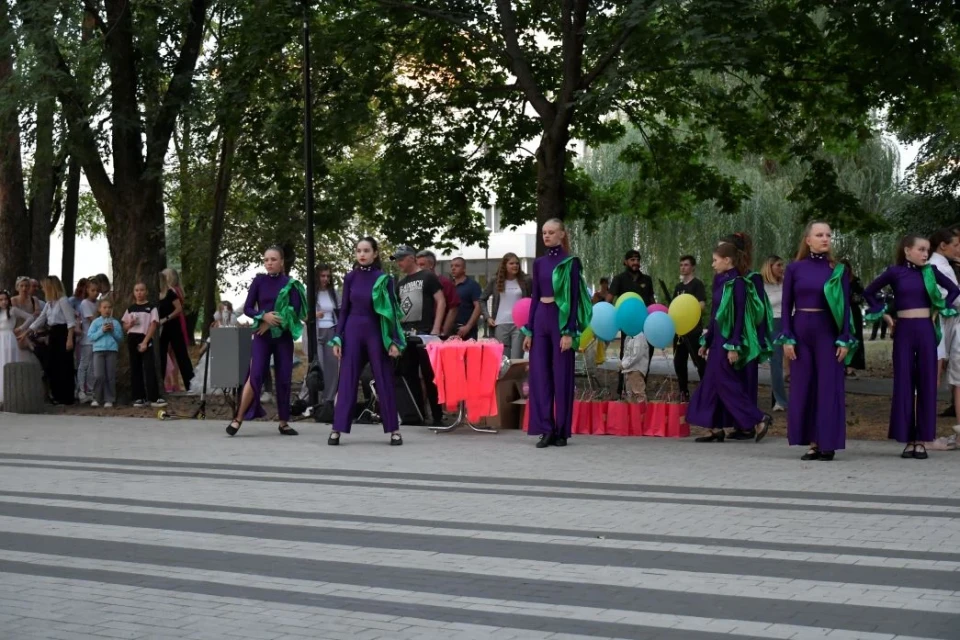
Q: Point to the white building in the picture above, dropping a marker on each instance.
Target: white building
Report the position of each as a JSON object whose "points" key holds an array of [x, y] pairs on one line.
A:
{"points": [[482, 263]]}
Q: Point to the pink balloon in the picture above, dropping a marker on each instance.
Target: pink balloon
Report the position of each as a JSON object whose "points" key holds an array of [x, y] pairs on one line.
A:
{"points": [[521, 312], [657, 307]]}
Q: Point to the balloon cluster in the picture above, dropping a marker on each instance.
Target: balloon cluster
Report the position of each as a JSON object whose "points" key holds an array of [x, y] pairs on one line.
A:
{"points": [[657, 322]]}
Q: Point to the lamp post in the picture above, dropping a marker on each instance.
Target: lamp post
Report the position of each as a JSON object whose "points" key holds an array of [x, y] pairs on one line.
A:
{"points": [[310, 303]]}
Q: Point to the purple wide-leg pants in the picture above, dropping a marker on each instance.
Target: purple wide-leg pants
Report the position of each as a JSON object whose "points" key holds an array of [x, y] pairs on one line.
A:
{"points": [[551, 377], [362, 343], [817, 408], [281, 349], [723, 398], [914, 418]]}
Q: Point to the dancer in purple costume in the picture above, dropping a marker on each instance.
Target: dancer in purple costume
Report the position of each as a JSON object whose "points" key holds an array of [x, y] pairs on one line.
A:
{"points": [[817, 339], [276, 304], [559, 312], [729, 344], [368, 330], [919, 305]]}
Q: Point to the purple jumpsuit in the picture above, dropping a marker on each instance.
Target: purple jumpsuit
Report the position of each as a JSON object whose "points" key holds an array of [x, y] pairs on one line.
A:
{"points": [[358, 328], [816, 410], [914, 350], [551, 371], [261, 299], [723, 398]]}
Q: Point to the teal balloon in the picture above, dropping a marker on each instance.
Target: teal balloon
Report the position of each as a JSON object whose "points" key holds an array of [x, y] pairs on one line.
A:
{"points": [[631, 316], [659, 329], [604, 323]]}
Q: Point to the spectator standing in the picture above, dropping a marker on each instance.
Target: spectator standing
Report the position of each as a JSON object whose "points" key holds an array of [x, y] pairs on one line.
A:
{"points": [[945, 245], [140, 321], [772, 272], [105, 335], [10, 319], [427, 261], [632, 279], [602, 292], [87, 313], [688, 346], [59, 318], [423, 306], [173, 337], [468, 312], [507, 289]]}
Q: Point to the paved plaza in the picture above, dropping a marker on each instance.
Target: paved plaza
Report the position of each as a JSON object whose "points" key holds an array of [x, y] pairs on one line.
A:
{"points": [[119, 528]]}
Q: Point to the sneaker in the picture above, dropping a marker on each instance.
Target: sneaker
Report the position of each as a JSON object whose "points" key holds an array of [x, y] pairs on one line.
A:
{"points": [[108, 405], [94, 404], [83, 398], [159, 402], [956, 429], [779, 407], [139, 403], [266, 397]]}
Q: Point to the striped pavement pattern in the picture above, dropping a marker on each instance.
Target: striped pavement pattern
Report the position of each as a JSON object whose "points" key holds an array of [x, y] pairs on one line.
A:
{"points": [[102, 536]]}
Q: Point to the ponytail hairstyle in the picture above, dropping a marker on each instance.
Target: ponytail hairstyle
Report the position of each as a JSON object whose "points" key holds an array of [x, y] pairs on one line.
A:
{"points": [[744, 243], [565, 242], [905, 243], [737, 256]]}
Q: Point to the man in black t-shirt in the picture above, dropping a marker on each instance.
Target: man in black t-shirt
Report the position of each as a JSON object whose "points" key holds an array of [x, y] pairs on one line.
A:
{"points": [[689, 345], [423, 307], [632, 279]]}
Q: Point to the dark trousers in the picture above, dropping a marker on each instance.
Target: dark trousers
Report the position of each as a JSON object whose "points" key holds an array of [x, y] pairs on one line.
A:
{"points": [[881, 326], [59, 365], [687, 347], [415, 363], [143, 369], [172, 338]]}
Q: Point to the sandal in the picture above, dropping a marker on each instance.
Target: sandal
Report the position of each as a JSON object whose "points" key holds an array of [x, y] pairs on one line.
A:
{"points": [[334, 438], [232, 430], [287, 430], [396, 439]]}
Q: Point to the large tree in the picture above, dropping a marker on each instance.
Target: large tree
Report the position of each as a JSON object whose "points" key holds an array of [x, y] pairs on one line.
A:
{"points": [[149, 51], [783, 78]]}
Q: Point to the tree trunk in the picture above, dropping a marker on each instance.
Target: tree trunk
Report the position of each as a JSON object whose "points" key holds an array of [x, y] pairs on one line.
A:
{"points": [[70, 223], [551, 189], [14, 218], [224, 179], [136, 251], [43, 189]]}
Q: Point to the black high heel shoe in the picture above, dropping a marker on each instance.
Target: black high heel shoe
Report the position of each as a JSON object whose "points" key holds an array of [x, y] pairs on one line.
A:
{"points": [[920, 452], [287, 430], [764, 427], [334, 438], [232, 430], [827, 456], [396, 439], [811, 454], [715, 436], [912, 453]]}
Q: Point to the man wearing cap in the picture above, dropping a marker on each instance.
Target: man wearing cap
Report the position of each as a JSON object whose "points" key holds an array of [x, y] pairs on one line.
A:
{"points": [[423, 307], [427, 261]]}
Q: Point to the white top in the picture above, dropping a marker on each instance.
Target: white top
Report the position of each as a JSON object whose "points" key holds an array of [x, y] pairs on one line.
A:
{"points": [[941, 264], [8, 324], [775, 295], [88, 311], [225, 318], [59, 312], [512, 293], [325, 304]]}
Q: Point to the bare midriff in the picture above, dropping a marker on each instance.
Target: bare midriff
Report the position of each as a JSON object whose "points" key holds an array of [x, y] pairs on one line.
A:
{"points": [[547, 300], [914, 313]]}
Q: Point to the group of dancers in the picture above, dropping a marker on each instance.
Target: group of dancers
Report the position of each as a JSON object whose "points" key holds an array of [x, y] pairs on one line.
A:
{"points": [[816, 334]]}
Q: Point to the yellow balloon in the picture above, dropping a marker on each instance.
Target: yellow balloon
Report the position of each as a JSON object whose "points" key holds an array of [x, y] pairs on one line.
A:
{"points": [[685, 312], [586, 338], [627, 296]]}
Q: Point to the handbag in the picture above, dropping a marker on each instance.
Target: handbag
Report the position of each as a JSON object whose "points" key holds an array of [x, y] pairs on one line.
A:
{"points": [[618, 419]]}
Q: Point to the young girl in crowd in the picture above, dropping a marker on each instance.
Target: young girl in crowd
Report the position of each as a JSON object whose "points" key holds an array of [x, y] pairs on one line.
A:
{"points": [[772, 273], [87, 312], [916, 318], [140, 322], [105, 335], [730, 343], [59, 318], [816, 337], [10, 318]]}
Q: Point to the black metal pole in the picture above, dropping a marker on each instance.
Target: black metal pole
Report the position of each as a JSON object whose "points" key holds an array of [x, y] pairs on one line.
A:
{"points": [[311, 327]]}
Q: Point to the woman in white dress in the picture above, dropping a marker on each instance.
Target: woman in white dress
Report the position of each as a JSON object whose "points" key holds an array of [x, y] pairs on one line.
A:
{"points": [[10, 318]]}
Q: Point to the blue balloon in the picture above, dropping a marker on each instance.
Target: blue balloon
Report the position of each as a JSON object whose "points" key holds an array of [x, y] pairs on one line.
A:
{"points": [[659, 329], [631, 315], [604, 323]]}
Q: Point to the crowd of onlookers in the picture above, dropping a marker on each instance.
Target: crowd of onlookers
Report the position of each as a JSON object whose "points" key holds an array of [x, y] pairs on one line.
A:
{"points": [[76, 339]]}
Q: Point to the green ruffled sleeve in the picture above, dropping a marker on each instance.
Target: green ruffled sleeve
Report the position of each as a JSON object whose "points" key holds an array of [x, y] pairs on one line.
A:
{"points": [[566, 276], [384, 303], [747, 344], [837, 292], [291, 320], [937, 304]]}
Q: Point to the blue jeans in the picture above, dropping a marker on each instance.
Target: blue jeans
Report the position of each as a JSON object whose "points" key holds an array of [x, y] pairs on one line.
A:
{"points": [[776, 370]]}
